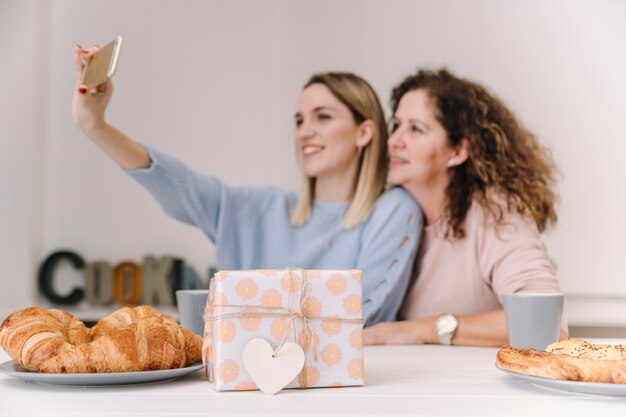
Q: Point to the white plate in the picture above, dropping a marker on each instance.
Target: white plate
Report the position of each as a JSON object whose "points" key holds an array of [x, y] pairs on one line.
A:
{"points": [[598, 388], [96, 380]]}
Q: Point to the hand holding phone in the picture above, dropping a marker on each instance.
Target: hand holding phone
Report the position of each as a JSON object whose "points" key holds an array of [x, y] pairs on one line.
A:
{"points": [[94, 67], [102, 65]]}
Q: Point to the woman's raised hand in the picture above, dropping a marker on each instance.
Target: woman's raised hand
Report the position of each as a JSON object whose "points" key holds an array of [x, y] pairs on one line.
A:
{"points": [[89, 105]]}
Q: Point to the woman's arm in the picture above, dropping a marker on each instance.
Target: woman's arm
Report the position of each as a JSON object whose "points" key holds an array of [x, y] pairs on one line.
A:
{"points": [[119, 147], [182, 193], [482, 329], [388, 246], [88, 108]]}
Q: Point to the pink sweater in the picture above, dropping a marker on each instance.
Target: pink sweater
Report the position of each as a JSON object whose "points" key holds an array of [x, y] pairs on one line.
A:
{"points": [[469, 275]]}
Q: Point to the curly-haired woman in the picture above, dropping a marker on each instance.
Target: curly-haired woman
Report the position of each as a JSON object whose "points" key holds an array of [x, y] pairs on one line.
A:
{"points": [[484, 184]]}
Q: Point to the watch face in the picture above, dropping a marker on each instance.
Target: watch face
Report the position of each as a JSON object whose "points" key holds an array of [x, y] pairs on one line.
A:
{"points": [[447, 323]]}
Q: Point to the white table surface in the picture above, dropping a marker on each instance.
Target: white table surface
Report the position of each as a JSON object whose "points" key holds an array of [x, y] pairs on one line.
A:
{"points": [[401, 380]]}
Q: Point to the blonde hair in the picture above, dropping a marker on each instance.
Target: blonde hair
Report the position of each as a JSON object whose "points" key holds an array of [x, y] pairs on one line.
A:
{"points": [[362, 101]]}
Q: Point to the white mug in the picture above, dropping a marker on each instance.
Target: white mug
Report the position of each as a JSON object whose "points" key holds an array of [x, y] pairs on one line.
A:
{"points": [[533, 319], [191, 304]]}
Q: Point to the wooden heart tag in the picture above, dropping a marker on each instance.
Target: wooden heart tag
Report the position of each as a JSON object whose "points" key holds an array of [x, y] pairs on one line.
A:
{"points": [[270, 372]]}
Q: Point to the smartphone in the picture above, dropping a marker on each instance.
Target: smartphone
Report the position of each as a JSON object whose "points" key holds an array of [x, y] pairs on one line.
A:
{"points": [[102, 64]]}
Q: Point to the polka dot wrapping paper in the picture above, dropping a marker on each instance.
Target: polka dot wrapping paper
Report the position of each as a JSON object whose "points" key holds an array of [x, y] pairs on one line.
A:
{"points": [[318, 309]]}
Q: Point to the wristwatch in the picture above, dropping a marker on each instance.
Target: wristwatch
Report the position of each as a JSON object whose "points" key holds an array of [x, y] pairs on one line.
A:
{"points": [[446, 326]]}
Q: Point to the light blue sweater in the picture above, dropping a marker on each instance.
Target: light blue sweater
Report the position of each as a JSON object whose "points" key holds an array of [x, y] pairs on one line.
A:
{"points": [[251, 230]]}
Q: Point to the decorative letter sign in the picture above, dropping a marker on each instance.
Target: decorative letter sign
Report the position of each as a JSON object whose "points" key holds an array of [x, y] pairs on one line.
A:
{"points": [[155, 282], [98, 283], [45, 278]]}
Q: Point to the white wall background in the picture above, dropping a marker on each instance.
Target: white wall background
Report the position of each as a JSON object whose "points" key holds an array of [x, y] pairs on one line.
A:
{"points": [[216, 82]]}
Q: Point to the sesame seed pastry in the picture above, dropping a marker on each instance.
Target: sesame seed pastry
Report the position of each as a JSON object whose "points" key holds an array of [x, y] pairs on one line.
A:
{"points": [[570, 359]]}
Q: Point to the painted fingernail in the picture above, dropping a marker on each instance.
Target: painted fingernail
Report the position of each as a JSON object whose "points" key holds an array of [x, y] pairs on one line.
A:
{"points": [[82, 90]]}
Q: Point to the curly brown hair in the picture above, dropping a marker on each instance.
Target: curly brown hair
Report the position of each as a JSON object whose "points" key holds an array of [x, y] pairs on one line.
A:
{"points": [[504, 157]]}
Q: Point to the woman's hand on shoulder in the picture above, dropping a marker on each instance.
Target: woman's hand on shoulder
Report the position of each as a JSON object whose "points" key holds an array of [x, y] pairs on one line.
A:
{"points": [[88, 105], [405, 332]]}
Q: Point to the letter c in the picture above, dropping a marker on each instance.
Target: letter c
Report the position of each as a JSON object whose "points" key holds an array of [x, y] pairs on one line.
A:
{"points": [[45, 277]]}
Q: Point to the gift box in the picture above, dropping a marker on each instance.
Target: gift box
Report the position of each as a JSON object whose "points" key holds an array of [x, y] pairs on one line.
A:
{"points": [[320, 310]]}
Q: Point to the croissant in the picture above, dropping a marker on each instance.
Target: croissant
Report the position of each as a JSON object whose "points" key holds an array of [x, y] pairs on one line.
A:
{"points": [[32, 335], [580, 366], [139, 339], [123, 317]]}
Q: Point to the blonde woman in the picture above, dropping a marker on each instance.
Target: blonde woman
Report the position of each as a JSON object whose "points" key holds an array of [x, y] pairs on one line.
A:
{"points": [[343, 219], [484, 184]]}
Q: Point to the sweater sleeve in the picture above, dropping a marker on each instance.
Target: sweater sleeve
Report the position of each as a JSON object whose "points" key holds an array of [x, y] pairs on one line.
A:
{"points": [[183, 194], [515, 259], [387, 254]]}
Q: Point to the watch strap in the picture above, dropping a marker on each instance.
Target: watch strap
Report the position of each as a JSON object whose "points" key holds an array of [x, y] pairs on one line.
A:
{"points": [[445, 339]]}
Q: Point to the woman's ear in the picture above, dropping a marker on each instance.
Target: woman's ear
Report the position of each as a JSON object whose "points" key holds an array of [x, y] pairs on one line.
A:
{"points": [[365, 133], [460, 154]]}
